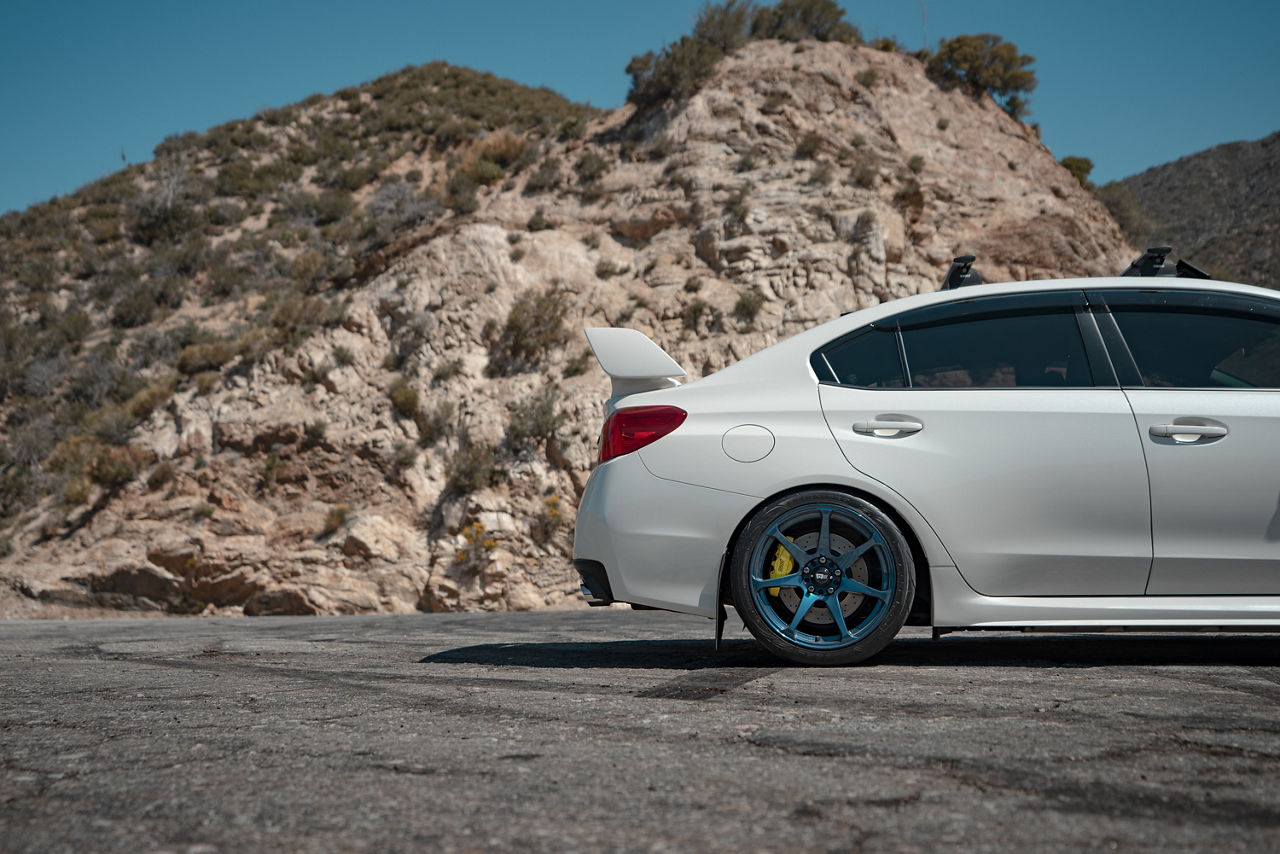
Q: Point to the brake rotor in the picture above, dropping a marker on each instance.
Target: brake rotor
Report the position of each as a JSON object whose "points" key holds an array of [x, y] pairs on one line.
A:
{"points": [[784, 564]]}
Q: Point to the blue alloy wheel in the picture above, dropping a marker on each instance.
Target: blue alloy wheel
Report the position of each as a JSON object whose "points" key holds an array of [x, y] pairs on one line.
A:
{"points": [[822, 578]]}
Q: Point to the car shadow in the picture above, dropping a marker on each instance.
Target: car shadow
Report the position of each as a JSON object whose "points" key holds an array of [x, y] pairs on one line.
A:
{"points": [[1023, 651]]}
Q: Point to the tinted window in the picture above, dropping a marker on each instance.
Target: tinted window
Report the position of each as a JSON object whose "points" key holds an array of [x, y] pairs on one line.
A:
{"points": [[1003, 351], [1201, 348], [869, 360]]}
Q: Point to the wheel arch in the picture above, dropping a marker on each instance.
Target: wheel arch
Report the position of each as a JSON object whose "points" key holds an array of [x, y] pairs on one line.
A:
{"points": [[921, 609]]}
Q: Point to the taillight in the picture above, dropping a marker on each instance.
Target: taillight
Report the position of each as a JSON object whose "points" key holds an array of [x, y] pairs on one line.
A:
{"points": [[628, 430]]}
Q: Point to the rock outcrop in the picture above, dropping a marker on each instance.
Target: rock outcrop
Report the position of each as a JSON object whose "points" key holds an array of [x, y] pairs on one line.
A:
{"points": [[783, 193]]}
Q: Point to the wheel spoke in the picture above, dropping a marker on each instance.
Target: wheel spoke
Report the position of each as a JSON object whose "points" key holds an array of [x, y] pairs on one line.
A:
{"points": [[833, 605], [851, 586], [799, 555], [849, 558], [805, 604], [791, 580], [824, 533]]}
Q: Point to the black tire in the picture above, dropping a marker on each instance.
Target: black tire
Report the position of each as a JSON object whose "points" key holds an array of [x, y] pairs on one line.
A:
{"points": [[787, 581]]}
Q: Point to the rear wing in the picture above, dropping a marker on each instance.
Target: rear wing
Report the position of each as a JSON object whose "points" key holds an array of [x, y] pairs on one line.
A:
{"points": [[633, 361]]}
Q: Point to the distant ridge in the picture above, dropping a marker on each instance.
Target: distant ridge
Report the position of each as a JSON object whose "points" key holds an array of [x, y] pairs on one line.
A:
{"points": [[1219, 208]]}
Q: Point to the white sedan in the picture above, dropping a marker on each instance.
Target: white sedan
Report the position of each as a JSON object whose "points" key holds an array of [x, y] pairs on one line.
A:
{"points": [[1070, 453]]}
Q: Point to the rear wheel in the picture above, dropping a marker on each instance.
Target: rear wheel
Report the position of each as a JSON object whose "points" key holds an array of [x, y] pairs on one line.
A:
{"points": [[822, 578]]}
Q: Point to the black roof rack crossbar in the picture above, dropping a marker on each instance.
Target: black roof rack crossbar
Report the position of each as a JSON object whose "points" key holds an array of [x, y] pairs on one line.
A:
{"points": [[961, 273], [1152, 263]]}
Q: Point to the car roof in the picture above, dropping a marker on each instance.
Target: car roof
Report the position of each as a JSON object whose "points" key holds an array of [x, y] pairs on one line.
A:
{"points": [[796, 349]]}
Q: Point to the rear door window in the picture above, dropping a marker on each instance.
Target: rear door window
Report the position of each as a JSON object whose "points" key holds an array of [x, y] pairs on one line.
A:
{"points": [[1010, 341], [1002, 351]]}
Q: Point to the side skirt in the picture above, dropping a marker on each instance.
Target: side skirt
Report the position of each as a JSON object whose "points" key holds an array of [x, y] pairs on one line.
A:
{"points": [[957, 605]]}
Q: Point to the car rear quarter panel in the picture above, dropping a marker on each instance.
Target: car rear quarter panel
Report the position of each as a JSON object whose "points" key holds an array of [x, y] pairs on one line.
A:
{"points": [[804, 454]]}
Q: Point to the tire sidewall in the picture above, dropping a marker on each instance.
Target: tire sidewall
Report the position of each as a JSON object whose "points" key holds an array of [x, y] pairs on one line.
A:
{"points": [[879, 637]]}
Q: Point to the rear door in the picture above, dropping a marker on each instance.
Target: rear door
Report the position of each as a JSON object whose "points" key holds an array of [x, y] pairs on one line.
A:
{"points": [[1202, 372], [991, 418]]}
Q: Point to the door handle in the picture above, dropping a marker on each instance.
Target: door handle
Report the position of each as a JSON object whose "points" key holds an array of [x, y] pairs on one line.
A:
{"points": [[1188, 432], [887, 429]]}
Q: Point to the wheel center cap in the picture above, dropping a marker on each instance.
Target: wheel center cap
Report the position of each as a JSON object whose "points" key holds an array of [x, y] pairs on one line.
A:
{"points": [[821, 573]]}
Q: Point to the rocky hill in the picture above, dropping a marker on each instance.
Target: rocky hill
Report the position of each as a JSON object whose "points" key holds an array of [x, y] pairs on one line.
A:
{"points": [[329, 359], [1219, 209]]}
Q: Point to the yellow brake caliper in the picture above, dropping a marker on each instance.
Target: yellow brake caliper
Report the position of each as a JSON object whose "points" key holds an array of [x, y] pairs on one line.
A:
{"points": [[783, 564]]}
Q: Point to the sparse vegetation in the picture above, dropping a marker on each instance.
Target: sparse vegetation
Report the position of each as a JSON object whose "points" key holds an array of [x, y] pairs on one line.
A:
{"points": [[535, 421], [680, 68], [534, 326], [606, 269], [748, 305], [987, 63], [916, 164], [435, 424], [809, 145], [1079, 167], [867, 77], [404, 398], [336, 518], [470, 468]]}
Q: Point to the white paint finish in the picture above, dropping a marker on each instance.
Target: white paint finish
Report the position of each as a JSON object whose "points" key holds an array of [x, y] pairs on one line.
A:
{"points": [[1215, 501], [660, 541], [660, 530], [958, 605], [1035, 492], [747, 443], [632, 360]]}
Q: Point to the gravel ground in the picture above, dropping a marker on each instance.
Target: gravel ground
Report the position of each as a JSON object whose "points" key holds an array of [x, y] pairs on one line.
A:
{"points": [[626, 731]]}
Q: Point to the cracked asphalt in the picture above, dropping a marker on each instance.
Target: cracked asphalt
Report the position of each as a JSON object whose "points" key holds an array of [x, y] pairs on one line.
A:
{"points": [[625, 731]]}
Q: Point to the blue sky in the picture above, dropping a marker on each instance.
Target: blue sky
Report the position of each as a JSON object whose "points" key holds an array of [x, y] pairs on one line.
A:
{"points": [[1128, 84]]}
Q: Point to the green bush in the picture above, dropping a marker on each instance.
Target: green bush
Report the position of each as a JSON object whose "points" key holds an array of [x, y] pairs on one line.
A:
{"points": [[546, 177], [460, 194], [336, 518], [692, 314], [404, 398], [824, 173], [535, 420], [794, 20], [196, 358], [916, 164], [749, 305], [1128, 214], [809, 146], [727, 25], [534, 327], [485, 172], [986, 63], [470, 468], [591, 166], [867, 78], [607, 269], [436, 424], [1079, 167], [446, 370], [677, 72], [539, 221]]}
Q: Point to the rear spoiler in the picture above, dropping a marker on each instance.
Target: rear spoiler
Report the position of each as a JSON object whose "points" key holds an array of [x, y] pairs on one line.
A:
{"points": [[633, 361]]}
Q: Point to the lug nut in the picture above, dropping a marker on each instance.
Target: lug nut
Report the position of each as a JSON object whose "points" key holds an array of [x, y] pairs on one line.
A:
{"points": [[830, 590], [810, 588]]}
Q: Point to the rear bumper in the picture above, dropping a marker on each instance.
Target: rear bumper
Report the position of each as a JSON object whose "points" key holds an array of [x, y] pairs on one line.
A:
{"points": [[649, 541]]}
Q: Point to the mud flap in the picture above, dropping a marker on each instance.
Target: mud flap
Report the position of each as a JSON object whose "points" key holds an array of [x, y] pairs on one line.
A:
{"points": [[721, 616]]}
